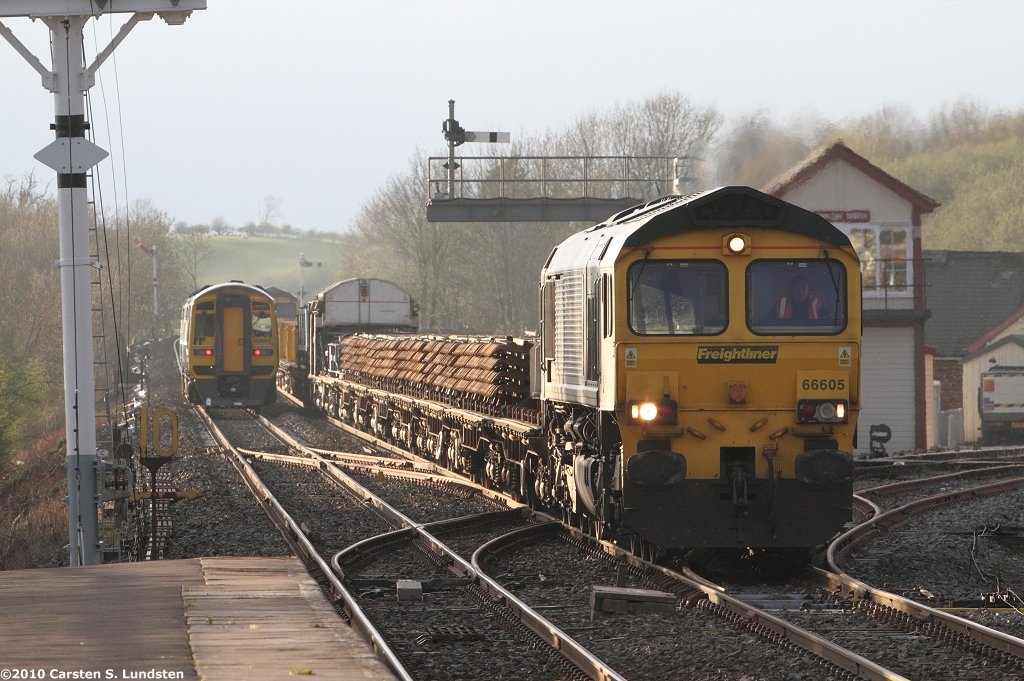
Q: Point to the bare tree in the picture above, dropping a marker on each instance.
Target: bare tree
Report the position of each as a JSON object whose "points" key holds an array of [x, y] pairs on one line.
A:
{"points": [[510, 256], [29, 247], [891, 133], [958, 123], [393, 226], [270, 210], [189, 249]]}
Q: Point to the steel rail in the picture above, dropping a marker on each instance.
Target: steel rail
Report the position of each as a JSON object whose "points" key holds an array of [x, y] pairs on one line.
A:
{"points": [[910, 485], [866, 507], [844, 584], [812, 643], [844, 543], [838, 580], [294, 534], [565, 645]]}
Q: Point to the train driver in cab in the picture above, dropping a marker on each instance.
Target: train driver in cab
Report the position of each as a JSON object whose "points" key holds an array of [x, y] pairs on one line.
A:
{"points": [[800, 304]]}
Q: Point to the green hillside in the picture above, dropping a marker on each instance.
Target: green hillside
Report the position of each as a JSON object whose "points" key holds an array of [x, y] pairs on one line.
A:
{"points": [[272, 261]]}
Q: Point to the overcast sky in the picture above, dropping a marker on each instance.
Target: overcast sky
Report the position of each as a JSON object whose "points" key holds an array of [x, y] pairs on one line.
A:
{"points": [[318, 103]]}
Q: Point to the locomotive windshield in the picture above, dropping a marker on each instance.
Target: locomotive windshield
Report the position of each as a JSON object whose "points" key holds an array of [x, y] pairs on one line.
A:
{"points": [[261, 322], [796, 297], [204, 325], [677, 297]]}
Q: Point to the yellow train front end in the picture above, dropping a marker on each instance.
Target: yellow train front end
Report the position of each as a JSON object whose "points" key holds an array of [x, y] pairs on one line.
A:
{"points": [[737, 386], [698, 369], [229, 346]]}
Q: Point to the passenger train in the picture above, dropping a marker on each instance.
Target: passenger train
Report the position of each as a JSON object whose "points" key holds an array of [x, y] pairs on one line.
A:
{"points": [[695, 382], [227, 348]]}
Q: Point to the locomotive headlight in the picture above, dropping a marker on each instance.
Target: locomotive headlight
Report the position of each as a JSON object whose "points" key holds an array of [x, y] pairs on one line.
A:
{"points": [[648, 411], [736, 244], [659, 411]]}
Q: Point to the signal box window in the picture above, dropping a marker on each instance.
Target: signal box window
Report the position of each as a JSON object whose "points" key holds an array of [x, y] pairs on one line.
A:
{"points": [[677, 297], [796, 297], [885, 259]]}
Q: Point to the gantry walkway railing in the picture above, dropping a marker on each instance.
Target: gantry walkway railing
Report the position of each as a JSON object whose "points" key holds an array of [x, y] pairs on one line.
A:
{"points": [[549, 188]]}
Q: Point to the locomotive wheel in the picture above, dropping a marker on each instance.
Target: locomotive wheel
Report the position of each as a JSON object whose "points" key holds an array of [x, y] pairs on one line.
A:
{"points": [[526, 485]]}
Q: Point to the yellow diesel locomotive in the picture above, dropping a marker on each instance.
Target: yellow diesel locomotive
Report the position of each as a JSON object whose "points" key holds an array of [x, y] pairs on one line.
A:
{"points": [[699, 372], [227, 347], [695, 382]]}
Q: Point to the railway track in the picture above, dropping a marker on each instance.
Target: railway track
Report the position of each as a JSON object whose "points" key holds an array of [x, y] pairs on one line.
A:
{"points": [[314, 534], [876, 639], [905, 633], [692, 607], [461, 631], [881, 626], [961, 549], [748, 616], [907, 640]]}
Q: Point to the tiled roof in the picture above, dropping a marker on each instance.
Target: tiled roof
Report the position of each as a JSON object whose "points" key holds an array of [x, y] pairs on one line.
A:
{"points": [[969, 294]]}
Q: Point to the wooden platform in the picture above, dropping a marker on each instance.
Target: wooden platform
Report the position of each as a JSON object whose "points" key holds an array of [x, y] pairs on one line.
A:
{"points": [[208, 618]]}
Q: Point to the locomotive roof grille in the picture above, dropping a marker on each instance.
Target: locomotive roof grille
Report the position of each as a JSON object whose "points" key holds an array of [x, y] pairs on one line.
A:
{"points": [[723, 207]]}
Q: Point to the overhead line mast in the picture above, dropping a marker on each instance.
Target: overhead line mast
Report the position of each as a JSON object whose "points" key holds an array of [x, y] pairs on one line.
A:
{"points": [[71, 155]]}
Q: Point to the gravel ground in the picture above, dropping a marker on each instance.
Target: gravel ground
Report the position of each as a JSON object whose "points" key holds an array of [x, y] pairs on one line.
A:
{"points": [[957, 553], [691, 643], [226, 519]]}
